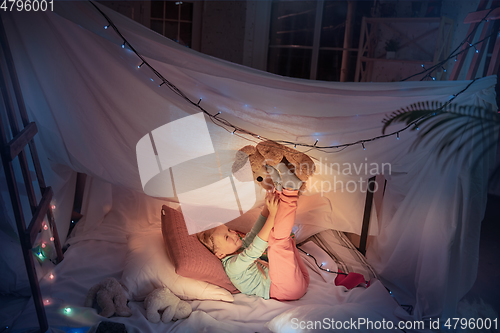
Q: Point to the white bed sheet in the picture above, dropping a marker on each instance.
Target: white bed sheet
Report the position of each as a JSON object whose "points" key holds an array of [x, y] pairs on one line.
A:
{"points": [[99, 252]]}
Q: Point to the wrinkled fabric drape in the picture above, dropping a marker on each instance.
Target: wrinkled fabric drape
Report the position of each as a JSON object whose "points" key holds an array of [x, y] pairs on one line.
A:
{"points": [[92, 105]]}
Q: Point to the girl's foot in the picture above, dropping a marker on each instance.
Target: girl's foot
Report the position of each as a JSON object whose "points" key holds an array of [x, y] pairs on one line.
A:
{"points": [[275, 176], [283, 178], [289, 180]]}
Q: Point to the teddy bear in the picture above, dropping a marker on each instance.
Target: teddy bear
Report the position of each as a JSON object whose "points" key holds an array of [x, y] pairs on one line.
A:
{"points": [[272, 153], [162, 299], [110, 297]]}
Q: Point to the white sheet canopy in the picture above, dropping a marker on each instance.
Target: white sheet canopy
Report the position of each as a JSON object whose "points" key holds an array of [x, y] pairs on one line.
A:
{"points": [[92, 105]]}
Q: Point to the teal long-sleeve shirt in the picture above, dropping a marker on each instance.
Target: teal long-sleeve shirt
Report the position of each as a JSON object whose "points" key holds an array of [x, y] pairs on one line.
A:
{"points": [[242, 268]]}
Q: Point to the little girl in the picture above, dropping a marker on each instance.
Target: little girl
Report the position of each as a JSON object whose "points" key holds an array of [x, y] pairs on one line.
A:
{"points": [[285, 278]]}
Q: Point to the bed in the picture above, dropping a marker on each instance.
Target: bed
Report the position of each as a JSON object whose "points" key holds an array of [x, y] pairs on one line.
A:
{"points": [[100, 246]]}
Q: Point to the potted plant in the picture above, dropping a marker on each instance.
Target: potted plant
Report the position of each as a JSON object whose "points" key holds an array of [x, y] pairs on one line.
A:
{"points": [[391, 47]]}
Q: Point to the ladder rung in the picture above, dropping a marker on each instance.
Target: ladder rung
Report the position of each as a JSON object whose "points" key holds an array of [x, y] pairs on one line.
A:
{"points": [[40, 212], [17, 144], [476, 17]]}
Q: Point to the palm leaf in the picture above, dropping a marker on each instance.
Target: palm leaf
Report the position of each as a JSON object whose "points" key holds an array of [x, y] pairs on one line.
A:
{"points": [[446, 124]]}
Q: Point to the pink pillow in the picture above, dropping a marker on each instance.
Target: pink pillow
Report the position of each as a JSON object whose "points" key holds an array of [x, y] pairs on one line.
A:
{"points": [[190, 258]]}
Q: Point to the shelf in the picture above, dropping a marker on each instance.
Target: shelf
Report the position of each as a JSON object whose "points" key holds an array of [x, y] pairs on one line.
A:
{"points": [[418, 62]]}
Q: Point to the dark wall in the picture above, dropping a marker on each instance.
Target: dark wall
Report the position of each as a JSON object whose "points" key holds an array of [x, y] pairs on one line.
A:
{"points": [[139, 11], [223, 29]]}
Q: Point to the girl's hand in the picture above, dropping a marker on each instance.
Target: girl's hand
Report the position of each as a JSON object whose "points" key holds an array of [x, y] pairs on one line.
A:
{"points": [[265, 211], [272, 203]]}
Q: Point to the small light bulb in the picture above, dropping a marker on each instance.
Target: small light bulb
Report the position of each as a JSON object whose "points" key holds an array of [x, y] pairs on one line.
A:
{"points": [[51, 239], [53, 207], [106, 26], [398, 135], [433, 79], [477, 51], [123, 45], [47, 301], [67, 310], [327, 269], [43, 245], [45, 227], [51, 276]]}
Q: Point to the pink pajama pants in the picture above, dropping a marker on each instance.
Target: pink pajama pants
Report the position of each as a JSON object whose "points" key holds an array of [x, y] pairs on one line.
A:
{"points": [[288, 274]]}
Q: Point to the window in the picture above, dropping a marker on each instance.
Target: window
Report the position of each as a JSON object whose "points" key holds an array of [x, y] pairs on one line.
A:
{"points": [[306, 38], [174, 20]]}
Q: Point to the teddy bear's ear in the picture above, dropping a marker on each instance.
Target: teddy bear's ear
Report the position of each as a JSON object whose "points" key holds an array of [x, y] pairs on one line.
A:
{"points": [[241, 168], [271, 151], [304, 165], [249, 150], [248, 153]]}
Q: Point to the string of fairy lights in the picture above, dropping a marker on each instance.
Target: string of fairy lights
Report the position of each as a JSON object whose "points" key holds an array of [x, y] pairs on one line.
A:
{"points": [[455, 53], [322, 267], [45, 252], [220, 121]]}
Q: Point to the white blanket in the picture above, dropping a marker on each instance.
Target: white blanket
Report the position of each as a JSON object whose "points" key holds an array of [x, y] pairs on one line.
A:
{"points": [[88, 262]]}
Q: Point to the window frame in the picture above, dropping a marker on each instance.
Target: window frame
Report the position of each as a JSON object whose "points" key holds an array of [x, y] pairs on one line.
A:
{"points": [[316, 48], [195, 22]]}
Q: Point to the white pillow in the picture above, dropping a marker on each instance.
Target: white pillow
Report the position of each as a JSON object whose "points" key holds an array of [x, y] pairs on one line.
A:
{"points": [[148, 267]]}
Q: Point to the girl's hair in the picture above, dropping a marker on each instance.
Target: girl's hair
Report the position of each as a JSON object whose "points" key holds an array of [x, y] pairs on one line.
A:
{"points": [[207, 238]]}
